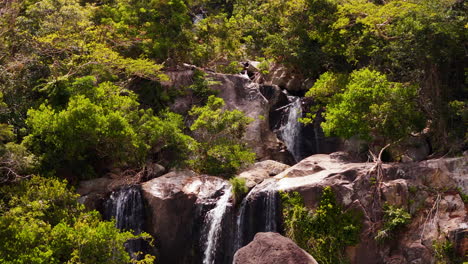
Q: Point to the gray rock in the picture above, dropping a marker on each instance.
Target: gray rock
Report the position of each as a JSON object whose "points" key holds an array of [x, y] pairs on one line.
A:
{"points": [[98, 185], [241, 94], [437, 212], [396, 192], [282, 77], [269, 248], [272, 167], [172, 211], [153, 170], [254, 176]]}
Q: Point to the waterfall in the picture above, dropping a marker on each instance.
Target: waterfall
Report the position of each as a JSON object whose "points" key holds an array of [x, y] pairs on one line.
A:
{"points": [[248, 222], [238, 243], [126, 206], [291, 131], [270, 206], [213, 221]]}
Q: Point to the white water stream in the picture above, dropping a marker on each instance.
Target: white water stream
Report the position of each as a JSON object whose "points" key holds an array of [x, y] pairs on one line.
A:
{"points": [[291, 131], [269, 216], [126, 206], [214, 219]]}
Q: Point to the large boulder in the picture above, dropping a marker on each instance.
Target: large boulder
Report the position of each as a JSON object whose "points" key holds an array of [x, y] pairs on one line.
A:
{"points": [[262, 170], [283, 77], [269, 248], [272, 167], [173, 207]]}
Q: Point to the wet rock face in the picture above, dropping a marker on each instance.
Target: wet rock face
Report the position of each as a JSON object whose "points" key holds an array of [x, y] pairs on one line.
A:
{"points": [[259, 212], [268, 248], [176, 203], [127, 208]]}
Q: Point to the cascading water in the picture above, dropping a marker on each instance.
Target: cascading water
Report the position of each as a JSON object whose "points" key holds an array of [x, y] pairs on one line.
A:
{"points": [[126, 206], [291, 130], [238, 243], [257, 213], [271, 202], [213, 221]]}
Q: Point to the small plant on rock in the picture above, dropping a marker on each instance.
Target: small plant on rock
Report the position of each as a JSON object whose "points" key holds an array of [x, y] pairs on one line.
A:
{"points": [[239, 188], [394, 220], [324, 233]]}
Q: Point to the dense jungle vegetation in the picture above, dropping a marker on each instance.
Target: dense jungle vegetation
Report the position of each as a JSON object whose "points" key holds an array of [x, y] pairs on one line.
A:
{"points": [[80, 94]]}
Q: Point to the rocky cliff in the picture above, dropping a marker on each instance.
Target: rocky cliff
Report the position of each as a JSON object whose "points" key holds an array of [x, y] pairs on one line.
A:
{"points": [[429, 190], [194, 220], [178, 205]]}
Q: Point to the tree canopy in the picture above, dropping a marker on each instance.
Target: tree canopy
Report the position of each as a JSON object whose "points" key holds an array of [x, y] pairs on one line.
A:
{"points": [[371, 107]]}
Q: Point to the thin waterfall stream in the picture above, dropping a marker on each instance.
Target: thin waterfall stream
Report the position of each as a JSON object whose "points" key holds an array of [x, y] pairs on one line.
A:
{"points": [[214, 220], [291, 131], [126, 206], [247, 225]]}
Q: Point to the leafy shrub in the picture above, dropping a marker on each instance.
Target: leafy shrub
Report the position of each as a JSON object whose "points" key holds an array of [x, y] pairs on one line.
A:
{"points": [[42, 222], [394, 220], [239, 189], [201, 86], [445, 253], [264, 65], [100, 123], [373, 108], [219, 133], [323, 233], [233, 67], [463, 196], [16, 161]]}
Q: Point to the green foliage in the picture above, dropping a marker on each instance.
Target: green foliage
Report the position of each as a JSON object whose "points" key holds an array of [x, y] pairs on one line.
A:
{"points": [[42, 222], [373, 108], [413, 189], [46, 43], [233, 67], [444, 253], [323, 233], [394, 220], [221, 41], [201, 86], [239, 188], [264, 65], [323, 90], [219, 132], [297, 219], [15, 160], [100, 122], [158, 29], [327, 85]]}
